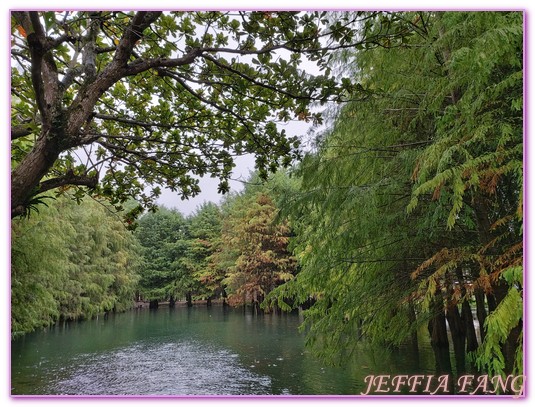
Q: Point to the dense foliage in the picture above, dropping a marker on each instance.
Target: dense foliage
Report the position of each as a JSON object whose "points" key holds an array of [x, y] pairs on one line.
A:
{"points": [[164, 238], [156, 98], [237, 253], [411, 208], [70, 262], [256, 248]]}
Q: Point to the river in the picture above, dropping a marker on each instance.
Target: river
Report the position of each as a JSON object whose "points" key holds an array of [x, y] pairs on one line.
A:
{"points": [[191, 351]]}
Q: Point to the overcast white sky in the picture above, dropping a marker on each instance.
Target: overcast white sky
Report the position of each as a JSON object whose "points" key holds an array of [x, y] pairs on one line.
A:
{"points": [[244, 165]]}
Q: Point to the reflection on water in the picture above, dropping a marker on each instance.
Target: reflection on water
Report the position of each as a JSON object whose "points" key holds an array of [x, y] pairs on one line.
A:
{"points": [[191, 351]]}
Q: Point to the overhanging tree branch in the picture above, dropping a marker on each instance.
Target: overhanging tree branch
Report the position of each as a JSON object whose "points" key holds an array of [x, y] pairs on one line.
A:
{"points": [[68, 179], [253, 80], [132, 122], [233, 105]]}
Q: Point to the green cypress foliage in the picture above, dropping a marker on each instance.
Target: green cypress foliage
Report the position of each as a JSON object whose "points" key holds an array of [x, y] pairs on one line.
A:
{"points": [[165, 240], [415, 194], [70, 262]]}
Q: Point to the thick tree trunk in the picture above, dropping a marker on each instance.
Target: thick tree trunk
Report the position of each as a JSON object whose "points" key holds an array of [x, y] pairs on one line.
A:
{"points": [[439, 338], [257, 300], [172, 302], [26, 176], [260, 300], [276, 309], [189, 300], [153, 304], [414, 335], [491, 301], [500, 291], [256, 308], [209, 302], [440, 344], [458, 336], [468, 319]]}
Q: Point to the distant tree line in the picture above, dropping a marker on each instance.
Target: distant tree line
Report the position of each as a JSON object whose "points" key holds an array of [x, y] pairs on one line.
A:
{"points": [[76, 259]]}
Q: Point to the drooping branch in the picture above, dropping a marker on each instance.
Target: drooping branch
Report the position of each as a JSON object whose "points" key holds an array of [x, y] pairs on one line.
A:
{"points": [[133, 47], [253, 80], [139, 154], [213, 83], [68, 179], [220, 108]]}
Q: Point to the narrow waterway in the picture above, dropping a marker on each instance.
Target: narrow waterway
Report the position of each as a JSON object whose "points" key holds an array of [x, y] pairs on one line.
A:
{"points": [[192, 351]]}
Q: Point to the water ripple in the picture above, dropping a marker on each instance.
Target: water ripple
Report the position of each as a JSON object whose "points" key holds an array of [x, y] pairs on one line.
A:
{"points": [[181, 368]]}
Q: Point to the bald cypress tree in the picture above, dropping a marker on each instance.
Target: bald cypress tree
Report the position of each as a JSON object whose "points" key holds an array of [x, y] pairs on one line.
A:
{"points": [[411, 205]]}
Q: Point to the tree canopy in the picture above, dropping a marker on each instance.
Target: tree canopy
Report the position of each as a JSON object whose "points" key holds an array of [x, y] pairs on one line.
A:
{"points": [[165, 240], [122, 102], [411, 208], [258, 248], [72, 261]]}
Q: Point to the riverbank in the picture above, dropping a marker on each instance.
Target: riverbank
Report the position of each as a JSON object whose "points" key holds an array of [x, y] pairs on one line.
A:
{"points": [[164, 304]]}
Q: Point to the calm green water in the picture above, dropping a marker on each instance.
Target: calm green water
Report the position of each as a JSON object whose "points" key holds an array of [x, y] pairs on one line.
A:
{"points": [[195, 351]]}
